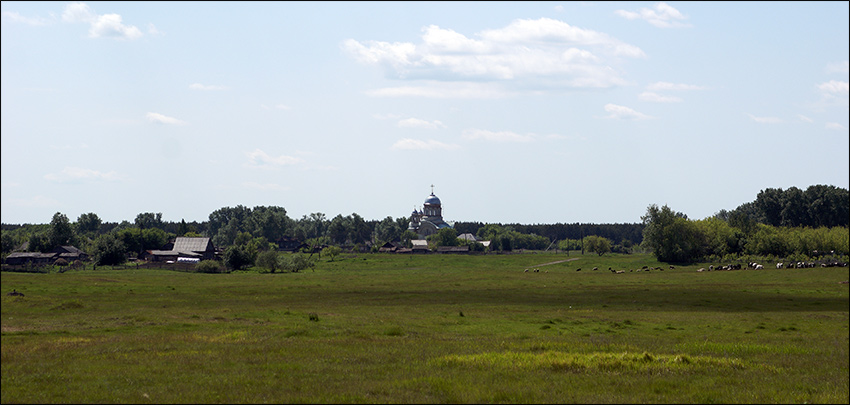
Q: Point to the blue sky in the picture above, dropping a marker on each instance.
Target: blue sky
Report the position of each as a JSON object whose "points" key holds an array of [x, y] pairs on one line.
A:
{"points": [[516, 112]]}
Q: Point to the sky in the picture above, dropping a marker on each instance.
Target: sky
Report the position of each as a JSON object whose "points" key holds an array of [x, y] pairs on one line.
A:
{"points": [[515, 112]]}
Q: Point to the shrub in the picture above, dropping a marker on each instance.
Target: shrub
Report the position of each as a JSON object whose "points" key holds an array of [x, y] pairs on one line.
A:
{"points": [[60, 262], [269, 260], [209, 266]]}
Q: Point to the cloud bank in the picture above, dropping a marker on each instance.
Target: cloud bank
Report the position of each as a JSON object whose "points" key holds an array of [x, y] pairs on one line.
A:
{"points": [[526, 55]]}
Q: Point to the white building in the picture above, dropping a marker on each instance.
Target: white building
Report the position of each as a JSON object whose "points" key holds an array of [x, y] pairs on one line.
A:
{"points": [[428, 220]]}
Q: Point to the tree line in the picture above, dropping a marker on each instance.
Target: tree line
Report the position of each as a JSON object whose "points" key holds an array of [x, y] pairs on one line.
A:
{"points": [[777, 222], [793, 224]]}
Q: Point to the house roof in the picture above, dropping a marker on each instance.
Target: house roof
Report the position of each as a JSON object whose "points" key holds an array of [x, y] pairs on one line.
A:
{"points": [[187, 244], [68, 249], [31, 255], [467, 236]]}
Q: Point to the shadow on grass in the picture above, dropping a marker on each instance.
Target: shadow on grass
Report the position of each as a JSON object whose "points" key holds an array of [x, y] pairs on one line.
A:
{"points": [[719, 299]]}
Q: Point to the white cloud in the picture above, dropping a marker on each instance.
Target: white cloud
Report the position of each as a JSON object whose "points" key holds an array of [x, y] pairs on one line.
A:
{"points": [[104, 25], [109, 25], [153, 31], [416, 144], [199, 86], [78, 13], [542, 53], [162, 119], [834, 87], [836, 126], [804, 118], [662, 16], [72, 174], [839, 67], [658, 98], [34, 21], [765, 120], [501, 136], [417, 123], [624, 113], [264, 186], [260, 159], [667, 86]]}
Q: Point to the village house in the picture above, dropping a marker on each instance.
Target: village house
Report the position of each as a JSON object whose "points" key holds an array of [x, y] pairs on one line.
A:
{"points": [[184, 247]]}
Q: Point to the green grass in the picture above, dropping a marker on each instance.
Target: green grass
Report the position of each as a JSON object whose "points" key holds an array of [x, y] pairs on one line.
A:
{"points": [[382, 328]]}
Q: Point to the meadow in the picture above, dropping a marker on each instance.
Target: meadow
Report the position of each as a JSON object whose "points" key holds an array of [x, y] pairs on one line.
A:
{"points": [[385, 328]]}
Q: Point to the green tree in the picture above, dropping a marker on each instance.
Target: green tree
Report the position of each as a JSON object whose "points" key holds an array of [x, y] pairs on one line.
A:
{"points": [[407, 238], [338, 229], [795, 210], [61, 233], [147, 220], [269, 222], [331, 251], [359, 231], [209, 266], [569, 244], [236, 257], [770, 202], [9, 241], [269, 260], [387, 231], [109, 250], [444, 237], [230, 217], [39, 242], [296, 262], [88, 223], [597, 244], [670, 235]]}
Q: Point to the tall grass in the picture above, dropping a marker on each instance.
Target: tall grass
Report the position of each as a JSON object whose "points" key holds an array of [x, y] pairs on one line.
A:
{"points": [[380, 328]]}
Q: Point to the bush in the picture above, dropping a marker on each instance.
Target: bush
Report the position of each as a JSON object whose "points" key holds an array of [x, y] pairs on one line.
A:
{"points": [[209, 266], [269, 260], [60, 262], [297, 262]]}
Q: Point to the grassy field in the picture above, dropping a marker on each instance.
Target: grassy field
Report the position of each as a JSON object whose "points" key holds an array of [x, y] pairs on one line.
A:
{"points": [[379, 328]]}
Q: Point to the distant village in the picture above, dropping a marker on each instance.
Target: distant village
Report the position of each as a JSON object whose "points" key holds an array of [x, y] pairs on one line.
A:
{"points": [[424, 222]]}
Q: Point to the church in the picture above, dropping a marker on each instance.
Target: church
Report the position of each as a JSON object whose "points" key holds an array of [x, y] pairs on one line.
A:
{"points": [[428, 220]]}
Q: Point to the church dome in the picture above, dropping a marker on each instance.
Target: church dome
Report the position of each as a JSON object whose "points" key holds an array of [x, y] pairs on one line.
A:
{"points": [[432, 200]]}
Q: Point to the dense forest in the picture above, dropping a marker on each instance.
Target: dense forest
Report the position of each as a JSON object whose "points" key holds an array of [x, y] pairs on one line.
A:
{"points": [[778, 223]]}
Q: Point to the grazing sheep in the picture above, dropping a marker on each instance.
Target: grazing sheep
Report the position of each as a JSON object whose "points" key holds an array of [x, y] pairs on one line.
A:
{"points": [[671, 267], [578, 269], [525, 271], [597, 268], [778, 265], [710, 268], [619, 272], [701, 269], [759, 267]]}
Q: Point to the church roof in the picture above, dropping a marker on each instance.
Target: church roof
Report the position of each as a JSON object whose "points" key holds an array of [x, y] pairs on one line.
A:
{"points": [[432, 200]]}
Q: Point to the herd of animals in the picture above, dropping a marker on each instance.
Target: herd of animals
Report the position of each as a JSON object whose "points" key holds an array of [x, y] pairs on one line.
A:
{"points": [[737, 266]]}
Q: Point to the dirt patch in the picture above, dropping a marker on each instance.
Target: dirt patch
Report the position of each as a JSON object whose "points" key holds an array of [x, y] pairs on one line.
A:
{"points": [[559, 261]]}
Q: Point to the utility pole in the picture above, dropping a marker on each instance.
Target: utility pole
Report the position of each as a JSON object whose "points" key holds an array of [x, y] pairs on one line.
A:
{"points": [[581, 227]]}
